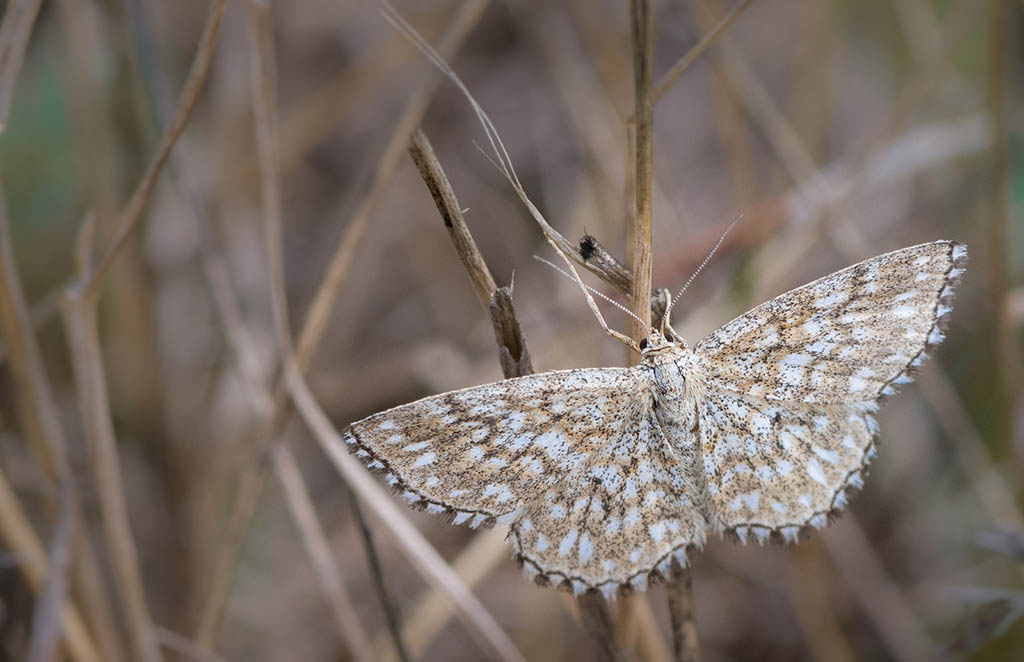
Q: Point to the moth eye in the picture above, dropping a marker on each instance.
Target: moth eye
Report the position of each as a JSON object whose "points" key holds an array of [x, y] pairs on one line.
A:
{"points": [[669, 337], [643, 344]]}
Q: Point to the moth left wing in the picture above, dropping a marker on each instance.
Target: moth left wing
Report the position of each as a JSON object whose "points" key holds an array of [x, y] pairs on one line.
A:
{"points": [[479, 453], [852, 336]]}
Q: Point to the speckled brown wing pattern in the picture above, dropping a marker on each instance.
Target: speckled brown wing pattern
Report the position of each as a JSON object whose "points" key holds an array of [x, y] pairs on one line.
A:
{"points": [[852, 336], [775, 469], [481, 454], [788, 389], [607, 476], [633, 509]]}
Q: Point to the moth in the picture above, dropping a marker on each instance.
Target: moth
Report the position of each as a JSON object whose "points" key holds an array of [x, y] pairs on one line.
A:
{"points": [[759, 432]]}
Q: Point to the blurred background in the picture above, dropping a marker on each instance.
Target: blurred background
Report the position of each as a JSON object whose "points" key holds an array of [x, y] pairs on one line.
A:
{"points": [[840, 129]]}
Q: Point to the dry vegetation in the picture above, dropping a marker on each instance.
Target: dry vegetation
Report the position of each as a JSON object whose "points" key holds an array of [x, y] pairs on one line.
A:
{"points": [[192, 191]]}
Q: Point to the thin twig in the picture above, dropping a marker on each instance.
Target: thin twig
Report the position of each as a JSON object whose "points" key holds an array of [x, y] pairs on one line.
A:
{"points": [[598, 622], [681, 611], [40, 420], [883, 603], [676, 71], [46, 627], [83, 339], [14, 34], [303, 513], [423, 156], [18, 536], [642, 29], [465, 18], [1004, 363], [596, 258], [417, 549], [428, 617], [130, 214], [297, 497], [512, 352], [184, 646], [387, 603], [254, 476], [263, 86]]}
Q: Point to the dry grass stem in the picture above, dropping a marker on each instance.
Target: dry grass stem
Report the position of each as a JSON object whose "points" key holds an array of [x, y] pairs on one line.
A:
{"points": [[1006, 364], [46, 617], [129, 216], [459, 27], [847, 187], [642, 29], [676, 71], [18, 536], [417, 549], [37, 408], [303, 513], [184, 646], [300, 505], [423, 156], [15, 31], [83, 340], [254, 477], [264, 106], [251, 484], [391, 611], [428, 617], [596, 258], [780, 133], [892, 616], [599, 624], [512, 352], [681, 610], [40, 423]]}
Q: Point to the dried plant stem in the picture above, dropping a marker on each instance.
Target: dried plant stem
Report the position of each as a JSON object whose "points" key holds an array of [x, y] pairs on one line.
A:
{"points": [[423, 156], [681, 609], [264, 105], [597, 620], [83, 338], [129, 216], [884, 604], [1005, 363], [253, 478], [296, 492], [417, 549], [676, 71], [14, 34], [391, 612], [18, 536], [433, 611], [642, 29], [185, 646], [465, 18], [46, 617], [737, 73], [40, 418], [304, 515]]}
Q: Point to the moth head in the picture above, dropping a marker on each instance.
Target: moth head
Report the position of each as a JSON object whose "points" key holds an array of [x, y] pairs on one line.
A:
{"points": [[657, 342]]}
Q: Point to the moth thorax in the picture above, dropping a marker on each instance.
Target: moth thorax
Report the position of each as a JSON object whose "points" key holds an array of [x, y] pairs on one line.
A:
{"points": [[669, 379]]}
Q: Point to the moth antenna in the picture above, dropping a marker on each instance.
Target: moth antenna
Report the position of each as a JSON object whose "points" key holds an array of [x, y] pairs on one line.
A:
{"points": [[504, 161], [668, 309], [594, 290]]}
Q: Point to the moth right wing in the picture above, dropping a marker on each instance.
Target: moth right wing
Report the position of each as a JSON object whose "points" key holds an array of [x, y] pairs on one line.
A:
{"points": [[479, 453], [852, 336]]}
